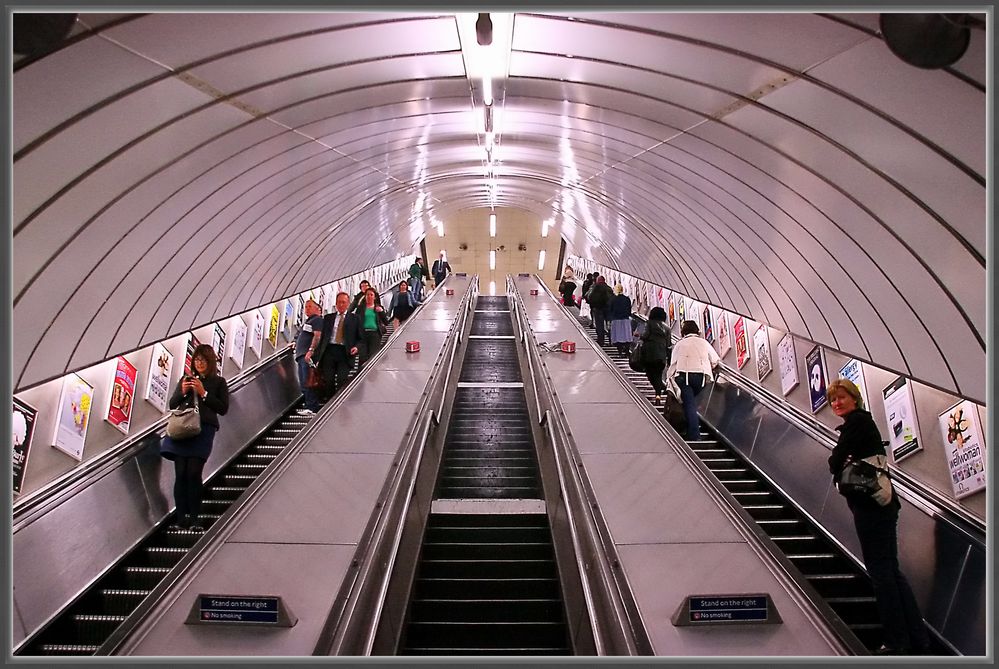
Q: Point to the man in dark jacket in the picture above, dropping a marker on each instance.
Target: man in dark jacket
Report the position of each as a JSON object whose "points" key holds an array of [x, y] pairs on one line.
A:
{"points": [[599, 298], [338, 344], [359, 298], [440, 269]]}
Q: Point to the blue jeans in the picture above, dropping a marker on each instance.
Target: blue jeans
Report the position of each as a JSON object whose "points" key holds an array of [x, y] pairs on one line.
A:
{"points": [[599, 324], [691, 384], [311, 401], [416, 287]]}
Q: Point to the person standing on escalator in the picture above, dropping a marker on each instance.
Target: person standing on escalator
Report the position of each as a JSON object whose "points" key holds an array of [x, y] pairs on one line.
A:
{"points": [[694, 362], [657, 348]]}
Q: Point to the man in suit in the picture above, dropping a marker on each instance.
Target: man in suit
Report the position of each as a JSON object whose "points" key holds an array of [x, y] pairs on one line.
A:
{"points": [[441, 269], [337, 344]]}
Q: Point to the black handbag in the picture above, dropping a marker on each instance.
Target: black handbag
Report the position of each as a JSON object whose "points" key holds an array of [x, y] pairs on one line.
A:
{"points": [[861, 478], [674, 413], [636, 360]]}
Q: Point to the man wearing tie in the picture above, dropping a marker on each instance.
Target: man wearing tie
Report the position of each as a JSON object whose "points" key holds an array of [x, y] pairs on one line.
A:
{"points": [[337, 345]]}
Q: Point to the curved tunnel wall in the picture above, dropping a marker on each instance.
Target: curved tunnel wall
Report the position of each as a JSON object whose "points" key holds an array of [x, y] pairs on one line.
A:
{"points": [[174, 169]]}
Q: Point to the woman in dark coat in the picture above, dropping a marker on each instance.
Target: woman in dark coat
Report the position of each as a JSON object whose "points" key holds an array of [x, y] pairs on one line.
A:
{"points": [[567, 287], [619, 315], [211, 393], [877, 526], [657, 345]]}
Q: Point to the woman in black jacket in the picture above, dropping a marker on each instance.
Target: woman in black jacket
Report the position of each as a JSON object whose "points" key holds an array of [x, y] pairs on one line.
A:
{"points": [[877, 526], [657, 346], [619, 315], [211, 393]]}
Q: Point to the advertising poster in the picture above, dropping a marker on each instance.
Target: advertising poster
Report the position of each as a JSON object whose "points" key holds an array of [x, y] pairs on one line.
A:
{"points": [[787, 363], [218, 344], [289, 320], [237, 335], [23, 428], [158, 385], [671, 309], [965, 448], [816, 366], [853, 370], [257, 336], [724, 339], [761, 344], [119, 411], [709, 326], [900, 411], [741, 345], [300, 312], [192, 344], [275, 324], [73, 417], [681, 311]]}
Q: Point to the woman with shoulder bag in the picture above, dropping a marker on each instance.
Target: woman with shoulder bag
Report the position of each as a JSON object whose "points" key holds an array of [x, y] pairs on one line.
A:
{"points": [[207, 391], [656, 349], [694, 363], [876, 525]]}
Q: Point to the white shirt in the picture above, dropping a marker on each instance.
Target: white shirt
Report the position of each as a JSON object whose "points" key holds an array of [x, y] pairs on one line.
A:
{"points": [[692, 354]]}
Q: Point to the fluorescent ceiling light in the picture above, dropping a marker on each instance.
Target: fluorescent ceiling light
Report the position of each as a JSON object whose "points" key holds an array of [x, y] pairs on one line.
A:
{"points": [[492, 225], [544, 228], [492, 259], [541, 260]]}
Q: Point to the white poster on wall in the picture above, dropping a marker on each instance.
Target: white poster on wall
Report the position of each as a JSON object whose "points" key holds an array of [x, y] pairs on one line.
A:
{"points": [[965, 448], [787, 364], [158, 384], [237, 335], [73, 416], [724, 341], [257, 336], [900, 412], [761, 344], [853, 371]]}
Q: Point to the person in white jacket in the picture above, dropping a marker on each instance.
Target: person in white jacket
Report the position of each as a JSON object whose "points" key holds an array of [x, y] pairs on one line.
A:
{"points": [[694, 360]]}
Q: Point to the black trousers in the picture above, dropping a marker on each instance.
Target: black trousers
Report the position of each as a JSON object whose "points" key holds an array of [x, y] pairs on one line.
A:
{"points": [[188, 488], [599, 324], [654, 372], [372, 343], [877, 529], [335, 365]]}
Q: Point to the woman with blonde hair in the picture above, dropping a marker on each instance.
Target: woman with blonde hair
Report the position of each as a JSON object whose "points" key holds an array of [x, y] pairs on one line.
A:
{"points": [[876, 525], [619, 315]]}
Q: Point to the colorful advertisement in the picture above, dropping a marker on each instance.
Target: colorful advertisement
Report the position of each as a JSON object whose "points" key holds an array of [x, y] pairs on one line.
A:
{"points": [[73, 416], [300, 313], [761, 344], [257, 338], [671, 309], [724, 340], [965, 448], [23, 429], [681, 310], [709, 328], [237, 335], [218, 344], [158, 385], [900, 412], [787, 363], [119, 411], [274, 326], [741, 345], [192, 344], [816, 365], [853, 370], [289, 320]]}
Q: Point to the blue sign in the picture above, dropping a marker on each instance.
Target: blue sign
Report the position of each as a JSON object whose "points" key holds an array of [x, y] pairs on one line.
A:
{"points": [[725, 609], [238, 609]]}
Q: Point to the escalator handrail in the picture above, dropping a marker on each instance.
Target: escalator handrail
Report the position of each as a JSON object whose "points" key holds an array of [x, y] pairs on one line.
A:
{"points": [[127, 635], [352, 623], [613, 614], [812, 606]]}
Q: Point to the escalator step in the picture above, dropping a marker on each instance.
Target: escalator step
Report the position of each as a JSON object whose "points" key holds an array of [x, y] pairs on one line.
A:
{"points": [[68, 649], [492, 610], [497, 635], [487, 569]]}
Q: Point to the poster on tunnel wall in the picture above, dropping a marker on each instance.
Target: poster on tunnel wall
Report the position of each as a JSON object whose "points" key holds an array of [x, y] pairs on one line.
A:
{"points": [[73, 416], [787, 364], [288, 327], [257, 336], [853, 371], [671, 309], [158, 383], [273, 325], [816, 365], [709, 326], [741, 345], [721, 325], [761, 344], [964, 445], [218, 344], [681, 311], [192, 344], [900, 412], [23, 427], [237, 335], [119, 409]]}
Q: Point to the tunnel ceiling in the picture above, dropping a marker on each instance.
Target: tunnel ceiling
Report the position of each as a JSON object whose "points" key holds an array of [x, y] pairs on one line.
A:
{"points": [[175, 169]]}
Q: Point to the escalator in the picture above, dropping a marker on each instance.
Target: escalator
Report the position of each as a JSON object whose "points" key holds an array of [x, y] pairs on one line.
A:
{"points": [[487, 581], [88, 622], [840, 581]]}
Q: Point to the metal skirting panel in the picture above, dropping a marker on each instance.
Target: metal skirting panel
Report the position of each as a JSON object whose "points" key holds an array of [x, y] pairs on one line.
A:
{"points": [[58, 554], [945, 567]]}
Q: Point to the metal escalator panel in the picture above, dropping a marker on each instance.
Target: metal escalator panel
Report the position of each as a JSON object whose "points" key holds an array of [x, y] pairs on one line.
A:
{"points": [[838, 580], [87, 623], [487, 582]]}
